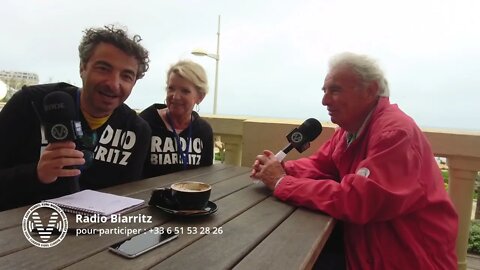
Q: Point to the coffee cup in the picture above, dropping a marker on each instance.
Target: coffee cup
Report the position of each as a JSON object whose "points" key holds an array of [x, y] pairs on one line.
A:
{"points": [[187, 195]]}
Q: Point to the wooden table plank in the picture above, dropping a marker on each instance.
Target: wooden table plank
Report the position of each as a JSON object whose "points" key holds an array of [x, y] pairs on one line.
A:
{"points": [[228, 208], [256, 229], [240, 235], [13, 217], [296, 236], [83, 246], [216, 172], [11, 242], [72, 248], [145, 187]]}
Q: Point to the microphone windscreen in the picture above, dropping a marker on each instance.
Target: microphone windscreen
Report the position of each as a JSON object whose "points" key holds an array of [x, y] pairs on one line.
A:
{"points": [[311, 128], [58, 107]]}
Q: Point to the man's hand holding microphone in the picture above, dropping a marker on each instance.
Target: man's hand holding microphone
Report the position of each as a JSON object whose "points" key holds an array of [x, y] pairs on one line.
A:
{"points": [[60, 158], [268, 168], [57, 160]]}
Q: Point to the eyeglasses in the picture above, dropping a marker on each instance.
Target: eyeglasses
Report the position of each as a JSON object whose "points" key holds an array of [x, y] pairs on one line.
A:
{"points": [[87, 144]]}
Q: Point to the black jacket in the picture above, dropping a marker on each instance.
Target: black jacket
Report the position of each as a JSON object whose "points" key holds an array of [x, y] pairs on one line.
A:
{"points": [[119, 156]]}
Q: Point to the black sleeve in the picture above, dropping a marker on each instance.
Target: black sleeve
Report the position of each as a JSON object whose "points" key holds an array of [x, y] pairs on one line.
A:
{"points": [[18, 175], [207, 153]]}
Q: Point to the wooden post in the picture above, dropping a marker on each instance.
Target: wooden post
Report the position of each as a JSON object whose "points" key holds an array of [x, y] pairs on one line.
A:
{"points": [[462, 172]]}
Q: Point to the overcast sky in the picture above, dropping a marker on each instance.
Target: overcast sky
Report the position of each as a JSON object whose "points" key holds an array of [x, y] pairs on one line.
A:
{"points": [[274, 53]]}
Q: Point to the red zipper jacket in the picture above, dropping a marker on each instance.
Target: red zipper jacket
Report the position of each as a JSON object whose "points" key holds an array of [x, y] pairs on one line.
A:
{"points": [[388, 190]]}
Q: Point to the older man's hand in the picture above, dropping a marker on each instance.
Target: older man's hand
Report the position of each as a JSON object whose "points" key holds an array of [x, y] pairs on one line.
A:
{"points": [[267, 169]]}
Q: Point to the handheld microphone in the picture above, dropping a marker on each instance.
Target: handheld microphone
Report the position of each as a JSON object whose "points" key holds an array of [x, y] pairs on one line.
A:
{"points": [[300, 137], [60, 124]]}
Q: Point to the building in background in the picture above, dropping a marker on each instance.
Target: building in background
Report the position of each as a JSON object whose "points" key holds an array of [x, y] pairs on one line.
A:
{"points": [[16, 79]]}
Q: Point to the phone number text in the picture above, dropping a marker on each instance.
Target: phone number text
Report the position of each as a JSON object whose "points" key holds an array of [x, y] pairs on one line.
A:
{"points": [[187, 230]]}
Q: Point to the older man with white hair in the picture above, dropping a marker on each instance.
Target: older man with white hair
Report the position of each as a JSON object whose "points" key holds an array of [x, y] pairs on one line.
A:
{"points": [[377, 175]]}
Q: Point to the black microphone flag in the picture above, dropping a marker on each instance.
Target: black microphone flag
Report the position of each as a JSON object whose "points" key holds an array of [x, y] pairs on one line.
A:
{"points": [[60, 124], [300, 138]]}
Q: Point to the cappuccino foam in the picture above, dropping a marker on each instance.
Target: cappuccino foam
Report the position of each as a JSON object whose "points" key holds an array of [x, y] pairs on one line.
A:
{"points": [[191, 187]]}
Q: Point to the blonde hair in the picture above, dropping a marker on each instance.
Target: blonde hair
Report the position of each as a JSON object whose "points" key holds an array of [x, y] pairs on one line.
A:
{"points": [[192, 72]]}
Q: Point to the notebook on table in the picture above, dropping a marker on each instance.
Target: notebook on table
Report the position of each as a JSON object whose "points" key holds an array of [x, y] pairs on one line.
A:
{"points": [[91, 202]]}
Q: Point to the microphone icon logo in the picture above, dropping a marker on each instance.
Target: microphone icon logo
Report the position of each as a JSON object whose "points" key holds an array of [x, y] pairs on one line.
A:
{"points": [[297, 137], [59, 132]]}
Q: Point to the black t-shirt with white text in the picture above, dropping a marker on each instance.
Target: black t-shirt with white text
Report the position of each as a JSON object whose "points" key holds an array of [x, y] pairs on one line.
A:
{"points": [[163, 155]]}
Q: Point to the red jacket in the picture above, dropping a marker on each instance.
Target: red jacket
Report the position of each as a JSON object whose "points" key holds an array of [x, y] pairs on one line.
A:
{"points": [[388, 190]]}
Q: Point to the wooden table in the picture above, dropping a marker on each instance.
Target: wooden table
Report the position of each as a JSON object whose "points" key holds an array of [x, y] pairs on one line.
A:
{"points": [[258, 231]]}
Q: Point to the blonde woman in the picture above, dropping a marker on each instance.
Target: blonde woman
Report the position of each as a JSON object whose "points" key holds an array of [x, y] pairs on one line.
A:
{"points": [[181, 139]]}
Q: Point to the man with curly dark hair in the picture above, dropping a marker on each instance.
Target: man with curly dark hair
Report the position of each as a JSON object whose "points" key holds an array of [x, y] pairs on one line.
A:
{"points": [[118, 37], [113, 144]]}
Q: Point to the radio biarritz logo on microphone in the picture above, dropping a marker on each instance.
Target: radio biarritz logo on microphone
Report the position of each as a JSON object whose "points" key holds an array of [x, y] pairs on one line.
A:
{"points": [[59, 132]]}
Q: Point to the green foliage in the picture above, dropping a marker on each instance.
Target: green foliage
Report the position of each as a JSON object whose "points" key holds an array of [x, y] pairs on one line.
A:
{"points": [[474, 238], [445, 176]]}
